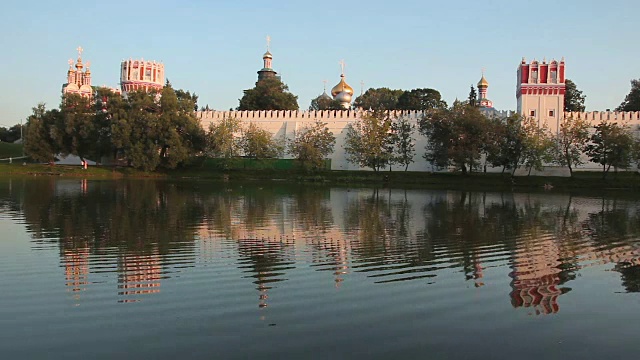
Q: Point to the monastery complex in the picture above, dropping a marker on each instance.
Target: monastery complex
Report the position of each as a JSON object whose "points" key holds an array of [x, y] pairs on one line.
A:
{"points": [[539, 94]]}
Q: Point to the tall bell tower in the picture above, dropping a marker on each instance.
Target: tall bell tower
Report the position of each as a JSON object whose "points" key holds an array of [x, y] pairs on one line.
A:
{"points": [[540, 91]]}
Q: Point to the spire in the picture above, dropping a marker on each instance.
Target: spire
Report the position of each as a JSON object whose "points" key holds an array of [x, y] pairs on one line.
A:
{"points": [[267, 70]]}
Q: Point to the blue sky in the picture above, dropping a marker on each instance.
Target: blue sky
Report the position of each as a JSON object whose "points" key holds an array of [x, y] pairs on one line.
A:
{"points": [[214, 48]]}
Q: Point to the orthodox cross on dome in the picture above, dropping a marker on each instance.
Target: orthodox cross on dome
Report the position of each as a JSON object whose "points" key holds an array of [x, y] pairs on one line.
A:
{"points": [[268, 43], [70, 62], [361, 87], [324, 82], [482, 70], [342, 65], [88, 64], [80, 50]]}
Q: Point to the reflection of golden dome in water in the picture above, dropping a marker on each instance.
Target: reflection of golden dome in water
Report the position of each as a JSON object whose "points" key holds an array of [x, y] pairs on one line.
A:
{"points": [[341, 87]]}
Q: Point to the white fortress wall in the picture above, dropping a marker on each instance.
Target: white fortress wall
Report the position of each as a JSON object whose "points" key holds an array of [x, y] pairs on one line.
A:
{"points": [[283, 124]]}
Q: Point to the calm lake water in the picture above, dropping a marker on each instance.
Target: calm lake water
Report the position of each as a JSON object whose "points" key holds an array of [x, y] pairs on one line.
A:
{"points": [[95, 269]]}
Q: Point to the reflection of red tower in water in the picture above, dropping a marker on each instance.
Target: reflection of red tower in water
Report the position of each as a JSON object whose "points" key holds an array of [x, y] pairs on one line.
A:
{"points": [[76, 270], [536, 274], [139, 275]]}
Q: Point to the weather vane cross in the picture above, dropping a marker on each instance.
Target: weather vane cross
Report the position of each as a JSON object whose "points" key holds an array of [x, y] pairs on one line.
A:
{"points": [[342, 64], [268, 43], [80, 49]]}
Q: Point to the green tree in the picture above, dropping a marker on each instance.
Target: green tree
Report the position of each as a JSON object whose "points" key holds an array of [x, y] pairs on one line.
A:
{"points": [[610, 145], [454, 136], [178, 132], [38, 143], [573, 98], [368, 141], [325, 102], [378, 99], [632, 100], [473, 96], [268, 94], [537, 145], [76, 132], [312, 145], [421, 99], [222, 138], [570, 142], [257, 143], [508, 142], [403, 142]]}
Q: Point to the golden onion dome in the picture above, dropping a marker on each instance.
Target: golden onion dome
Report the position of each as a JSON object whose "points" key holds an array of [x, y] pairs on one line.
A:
{"points": [[79, 64], [483, 82], [341, 87], [267, 55]]}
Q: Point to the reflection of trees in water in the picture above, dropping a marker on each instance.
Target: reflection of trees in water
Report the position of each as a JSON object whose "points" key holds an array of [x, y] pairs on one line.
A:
{"points": [[143, 220]]}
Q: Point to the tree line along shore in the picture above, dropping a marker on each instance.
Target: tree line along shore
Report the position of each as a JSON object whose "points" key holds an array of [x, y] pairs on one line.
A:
{"points": [[151, 132]]}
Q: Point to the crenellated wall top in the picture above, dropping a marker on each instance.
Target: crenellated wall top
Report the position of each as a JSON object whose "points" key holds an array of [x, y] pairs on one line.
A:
{"points": [[293, 115], [616, 116]]}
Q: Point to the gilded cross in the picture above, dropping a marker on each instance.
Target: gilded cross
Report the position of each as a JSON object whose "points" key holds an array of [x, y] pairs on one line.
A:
{"points": [[70, 62], [88, 64], [483, 69], [325, 85], [80, 49], [342, 64], [268, 42], [361, 87]]}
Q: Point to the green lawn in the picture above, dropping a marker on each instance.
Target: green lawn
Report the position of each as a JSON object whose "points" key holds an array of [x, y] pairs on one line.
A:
{"points": [[10, 150]]}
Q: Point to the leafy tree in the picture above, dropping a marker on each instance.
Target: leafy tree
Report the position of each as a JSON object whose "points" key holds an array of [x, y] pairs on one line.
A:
{"points": [[421, 99], [186, 100], [403, 142], [473, 97], [222, 140], [610, 145], [178, 132], [324, 102], [573, 98], [570, 142], [11, 134], [508, 142], [38, 143], [537, 145], [312, 145], [257, 143], [268, 94], [378, 99], [454, 136], [632, 100], [368, 141], [76, 132]]}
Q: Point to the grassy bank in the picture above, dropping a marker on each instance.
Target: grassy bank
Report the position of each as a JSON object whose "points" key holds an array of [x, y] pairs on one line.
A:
{"points": [[477, 181], [17, 169], [582, 181], [10, 150]]}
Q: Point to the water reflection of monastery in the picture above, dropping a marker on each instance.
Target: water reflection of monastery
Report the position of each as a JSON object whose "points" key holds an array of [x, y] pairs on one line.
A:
{"points": [[383, 236]]}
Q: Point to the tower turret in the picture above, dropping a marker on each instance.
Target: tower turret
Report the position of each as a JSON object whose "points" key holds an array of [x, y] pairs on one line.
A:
{"points": [[540, 90], [342, 92], [267, 71], [483, 85]]}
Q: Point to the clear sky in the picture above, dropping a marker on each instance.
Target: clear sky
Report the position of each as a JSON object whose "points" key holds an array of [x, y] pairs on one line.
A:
{"points": [[214, 48]]}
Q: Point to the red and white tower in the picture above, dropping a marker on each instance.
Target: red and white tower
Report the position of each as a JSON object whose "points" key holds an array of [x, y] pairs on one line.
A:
{"points": [[540, 91], [141, 75]]}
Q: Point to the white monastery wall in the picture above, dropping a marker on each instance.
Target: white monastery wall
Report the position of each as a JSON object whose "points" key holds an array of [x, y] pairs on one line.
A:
{"points": [[283, 124]]}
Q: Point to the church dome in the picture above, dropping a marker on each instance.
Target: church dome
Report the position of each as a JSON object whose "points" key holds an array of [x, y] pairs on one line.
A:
{"points": [[483, 82], [79, 64], [267, 55], [325, 96], [342, 87], [344, 97]]}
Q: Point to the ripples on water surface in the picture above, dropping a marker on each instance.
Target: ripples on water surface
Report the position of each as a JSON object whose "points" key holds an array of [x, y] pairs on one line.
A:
{"points": [[153, 269]]}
